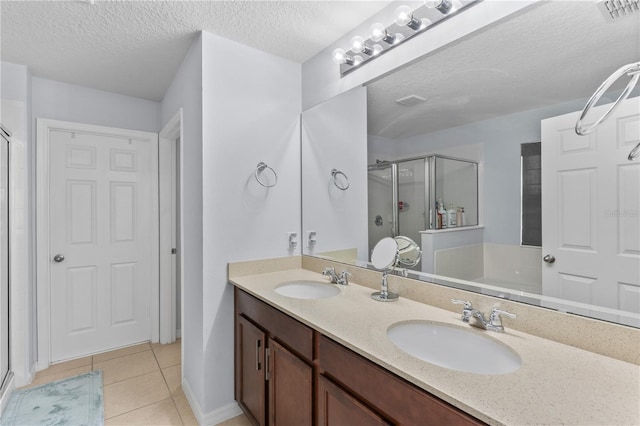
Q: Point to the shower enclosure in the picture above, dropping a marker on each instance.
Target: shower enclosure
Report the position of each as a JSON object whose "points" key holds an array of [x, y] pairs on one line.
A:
{"points": [[405, 195]]}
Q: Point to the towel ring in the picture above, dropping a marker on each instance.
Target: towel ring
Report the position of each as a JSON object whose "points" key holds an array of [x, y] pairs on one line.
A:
{"points": [[259, 169], [632, 70], [337, 183]]}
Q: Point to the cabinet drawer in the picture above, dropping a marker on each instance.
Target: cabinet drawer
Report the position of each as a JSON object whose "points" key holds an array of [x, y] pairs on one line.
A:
{"points": [[286, 330], [392, 396]]}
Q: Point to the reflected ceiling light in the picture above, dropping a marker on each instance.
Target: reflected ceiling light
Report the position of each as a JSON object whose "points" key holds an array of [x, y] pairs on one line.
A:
{"points": [[444, 6], [406, 24]]}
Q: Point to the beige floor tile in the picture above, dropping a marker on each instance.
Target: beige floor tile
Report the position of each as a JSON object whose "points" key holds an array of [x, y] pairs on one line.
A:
{"points": [[184, 408], [125, 367], [240, 420], [42, 379], [131, 394], [168, 355], [160, 413], [67, 365], [121, 352], [173, 378]]}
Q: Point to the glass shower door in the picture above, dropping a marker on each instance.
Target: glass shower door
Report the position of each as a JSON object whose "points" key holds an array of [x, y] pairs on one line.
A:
{"points": [[4, 258], [412, 199], [382, 217]]}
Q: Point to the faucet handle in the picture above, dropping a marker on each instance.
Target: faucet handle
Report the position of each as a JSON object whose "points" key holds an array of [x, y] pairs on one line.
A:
{"points": [[344, 278], [495, 322], [495, 312], [466, 303], [329, 270]]}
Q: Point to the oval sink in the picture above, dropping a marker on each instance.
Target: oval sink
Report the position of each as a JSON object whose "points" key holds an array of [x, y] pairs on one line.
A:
{"points": [[453, 347], [307, 289]]}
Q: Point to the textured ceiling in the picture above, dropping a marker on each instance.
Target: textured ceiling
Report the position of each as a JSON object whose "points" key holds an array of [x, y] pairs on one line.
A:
{"points": [[548, 54], [135, 47]]}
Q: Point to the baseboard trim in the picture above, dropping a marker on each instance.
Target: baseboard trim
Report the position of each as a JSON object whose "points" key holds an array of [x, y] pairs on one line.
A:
{"points": [[211, 418]]}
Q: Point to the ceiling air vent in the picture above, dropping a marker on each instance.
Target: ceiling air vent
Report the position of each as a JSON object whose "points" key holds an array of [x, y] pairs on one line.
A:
{"points": [[614, 9], [410, 100]]}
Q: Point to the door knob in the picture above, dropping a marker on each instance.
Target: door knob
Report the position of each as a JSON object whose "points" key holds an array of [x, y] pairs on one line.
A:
{"points": [[549, 258], [58, 258]]}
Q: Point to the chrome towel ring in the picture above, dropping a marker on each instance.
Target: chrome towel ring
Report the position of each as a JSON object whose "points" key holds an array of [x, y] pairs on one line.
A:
{"points": [[259, 169], [342, 184], [633, 71]]}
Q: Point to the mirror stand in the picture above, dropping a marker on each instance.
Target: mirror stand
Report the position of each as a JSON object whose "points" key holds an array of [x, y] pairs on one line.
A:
{"points": [[384, 295]]}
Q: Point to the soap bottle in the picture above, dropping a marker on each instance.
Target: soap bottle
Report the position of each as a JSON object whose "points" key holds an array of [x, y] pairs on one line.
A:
{"points": [[458, 216], [442, 213], [451, 216], [464, 218]]}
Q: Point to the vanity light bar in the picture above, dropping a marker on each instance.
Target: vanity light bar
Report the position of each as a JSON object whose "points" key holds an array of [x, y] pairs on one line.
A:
{"points": [[407, 24]]}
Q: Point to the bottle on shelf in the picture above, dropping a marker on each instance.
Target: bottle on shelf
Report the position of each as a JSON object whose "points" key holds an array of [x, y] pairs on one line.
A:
{"points": [[459, 216], [451, 216], [443, 213], [464, 218]]}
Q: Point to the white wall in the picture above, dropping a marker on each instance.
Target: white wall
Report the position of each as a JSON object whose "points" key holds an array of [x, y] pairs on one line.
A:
{"points": [[334, 136], [185, 92], [251, 113], [67, 102]]}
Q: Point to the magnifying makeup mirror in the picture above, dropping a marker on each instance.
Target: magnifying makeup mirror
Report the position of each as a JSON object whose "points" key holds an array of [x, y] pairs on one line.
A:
{"points": [[389, 253]]}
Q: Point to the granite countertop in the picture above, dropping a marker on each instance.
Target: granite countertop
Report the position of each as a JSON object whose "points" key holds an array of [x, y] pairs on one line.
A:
{"points": [[556, 384]]}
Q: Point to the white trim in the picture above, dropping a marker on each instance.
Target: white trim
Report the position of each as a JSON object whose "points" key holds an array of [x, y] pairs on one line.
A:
{"points": [[166, 160], [44, 126], [214, 417], [5, 396]]}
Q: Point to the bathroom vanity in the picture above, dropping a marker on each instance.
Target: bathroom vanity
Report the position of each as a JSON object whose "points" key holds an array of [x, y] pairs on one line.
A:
{"points": [[330, 361], [286, 372]]}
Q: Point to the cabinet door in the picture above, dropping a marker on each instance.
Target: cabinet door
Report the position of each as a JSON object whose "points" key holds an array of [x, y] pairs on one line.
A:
{"points": [[336, 407], [290, 388], [250, 370]]}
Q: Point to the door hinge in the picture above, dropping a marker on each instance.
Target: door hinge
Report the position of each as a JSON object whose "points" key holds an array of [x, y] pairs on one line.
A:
{"points": [[267, 370], [174, 251]]}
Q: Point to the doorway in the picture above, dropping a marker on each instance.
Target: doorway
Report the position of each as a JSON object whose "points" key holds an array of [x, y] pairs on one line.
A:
{"points": [[97, 250]]}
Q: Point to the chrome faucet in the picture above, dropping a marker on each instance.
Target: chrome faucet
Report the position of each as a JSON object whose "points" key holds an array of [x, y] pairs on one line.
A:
{"points": [[342, 279], [477, 319]]}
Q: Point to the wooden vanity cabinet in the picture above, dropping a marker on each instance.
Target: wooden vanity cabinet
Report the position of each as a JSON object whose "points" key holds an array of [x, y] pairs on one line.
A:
{"points": [[394, 399], [288, 374], [273, 364]]}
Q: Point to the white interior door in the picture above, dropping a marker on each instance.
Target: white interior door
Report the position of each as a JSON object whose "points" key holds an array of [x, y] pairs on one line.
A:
{"points": [[590, 205], [102, 219]]}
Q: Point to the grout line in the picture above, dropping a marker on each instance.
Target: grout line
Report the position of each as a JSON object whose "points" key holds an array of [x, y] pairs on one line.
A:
{"points": [[139, 408]]}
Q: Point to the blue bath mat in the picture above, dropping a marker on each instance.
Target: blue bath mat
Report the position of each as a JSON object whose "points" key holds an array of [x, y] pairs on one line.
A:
{"points": [[74, 401]]}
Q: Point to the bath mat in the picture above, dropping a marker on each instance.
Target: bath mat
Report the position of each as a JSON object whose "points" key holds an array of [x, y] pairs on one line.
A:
{"points": [[74, 401]]}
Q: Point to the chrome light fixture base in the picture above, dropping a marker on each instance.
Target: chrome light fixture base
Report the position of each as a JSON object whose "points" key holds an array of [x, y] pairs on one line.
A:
{"points": [[398, 34]]}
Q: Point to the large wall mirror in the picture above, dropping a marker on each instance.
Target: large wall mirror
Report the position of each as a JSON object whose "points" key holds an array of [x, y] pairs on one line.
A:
{"points": [[471, 152]]}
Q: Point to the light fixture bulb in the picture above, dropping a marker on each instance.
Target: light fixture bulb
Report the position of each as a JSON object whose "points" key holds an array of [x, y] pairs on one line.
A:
{"points": [[357, 60], [379, 33], [444, 6], [403, 15], [357, 44], [377, 49], [339, 56]]}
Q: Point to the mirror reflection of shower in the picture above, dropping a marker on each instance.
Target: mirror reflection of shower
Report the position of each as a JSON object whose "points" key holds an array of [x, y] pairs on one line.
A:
{"points": [[410, 196]]}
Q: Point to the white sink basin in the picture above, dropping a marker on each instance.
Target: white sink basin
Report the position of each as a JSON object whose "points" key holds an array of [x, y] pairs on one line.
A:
{"points": [[307, 289], [453, 347]]}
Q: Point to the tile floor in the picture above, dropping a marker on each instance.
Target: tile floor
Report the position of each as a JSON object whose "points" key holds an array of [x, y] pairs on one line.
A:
{"points": [[141, 384]]}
